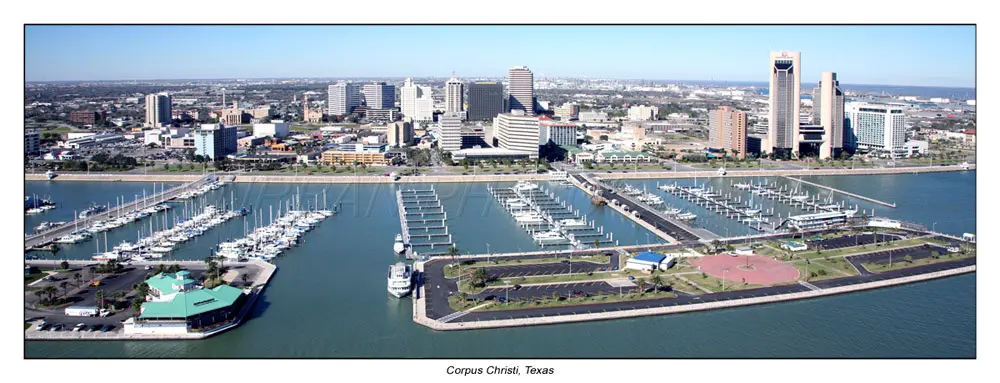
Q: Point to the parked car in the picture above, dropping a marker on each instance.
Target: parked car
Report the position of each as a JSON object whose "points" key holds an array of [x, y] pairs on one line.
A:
{"points": [[517, 287], [56, 327], [41, 325], [79, 326], [107, 328]]}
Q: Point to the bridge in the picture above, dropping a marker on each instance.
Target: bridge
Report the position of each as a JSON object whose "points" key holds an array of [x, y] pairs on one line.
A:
{"points": [[48, 236]]}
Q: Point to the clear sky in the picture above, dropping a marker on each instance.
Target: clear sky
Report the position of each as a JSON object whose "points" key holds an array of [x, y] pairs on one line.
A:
{"points": [[882, 55]]}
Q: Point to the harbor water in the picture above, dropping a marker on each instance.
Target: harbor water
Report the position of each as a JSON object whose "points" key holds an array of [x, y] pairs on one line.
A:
{"points": [[328, 298]]}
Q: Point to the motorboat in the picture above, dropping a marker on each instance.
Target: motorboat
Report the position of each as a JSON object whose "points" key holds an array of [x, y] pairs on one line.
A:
{"points": [[47, 225], [544, 237], [572, 223], [93, 210], [399, 280], [399, 247], [523, 186], [686, 216], [529, 217], [50, 174]]}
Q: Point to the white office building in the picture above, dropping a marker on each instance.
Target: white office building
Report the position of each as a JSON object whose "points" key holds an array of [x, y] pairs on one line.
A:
{"points": [[642, 113], [453, 96], [342, 98], [379, 95], [451, 132], [876, 128], [559, 133], [517, 131], [416, 102], [276, 128], [521, 88], [158, 109]]}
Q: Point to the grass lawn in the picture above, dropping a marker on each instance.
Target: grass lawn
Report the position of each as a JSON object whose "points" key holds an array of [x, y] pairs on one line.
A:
{"points": [[490, 170], [558, 278], [682, 285], [715, 284], [837, 263], [34, 277], [811, 254], [902, 263], [456, 304], [630, 167], [813, 272]]}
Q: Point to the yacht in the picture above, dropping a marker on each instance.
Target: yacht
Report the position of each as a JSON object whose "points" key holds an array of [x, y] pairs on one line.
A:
{"points": [[47, 225], [544, 237], [95, 209], [529, 217], [686, 216], [667, 187], [34, 211], [525, 186], [742, 186], [400, 280], [572, 223], [399, 247]]}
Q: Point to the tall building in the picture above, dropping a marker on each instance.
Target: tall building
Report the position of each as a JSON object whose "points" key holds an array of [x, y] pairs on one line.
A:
{"points": [[875, 128], [453, 92], [342, 98], [32, 142], [485, 100], [521, 88], [828, 112], [379, 95], [416, 102], [517, 131], [157, 109], [399, 134], [215, 140], [783, 120], [451, 132], [561, 133], [727, 130]]}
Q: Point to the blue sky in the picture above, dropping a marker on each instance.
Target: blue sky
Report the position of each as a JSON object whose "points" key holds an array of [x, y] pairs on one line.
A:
{"points": [[883, 55]]}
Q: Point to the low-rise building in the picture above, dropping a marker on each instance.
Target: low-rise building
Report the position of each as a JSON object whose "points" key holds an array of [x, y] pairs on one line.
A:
{"points": [[177, 305], [649, 261], [623, 156], [488, 154], [85, 117], [356, 153], [276, 128]]}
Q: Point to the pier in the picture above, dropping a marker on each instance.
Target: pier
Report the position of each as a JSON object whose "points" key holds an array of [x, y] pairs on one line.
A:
{"points": [[725, 205], [849, 194], [48, 236], [548, 220], [422, 207]]}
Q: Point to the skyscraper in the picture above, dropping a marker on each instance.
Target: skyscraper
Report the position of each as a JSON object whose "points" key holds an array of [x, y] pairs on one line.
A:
{"points": [[415, 101], [727, 130], [379, 95], [453, 91], [783, 120], [485, 100], [451, 131], [876, 128], [521, 89], [828, 111], [158, 109], [342, 98], [518, 132]]}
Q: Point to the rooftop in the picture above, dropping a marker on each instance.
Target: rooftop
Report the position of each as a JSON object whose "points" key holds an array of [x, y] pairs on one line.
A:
{"points": [[648, 256], [166, 282], [190, 303]]}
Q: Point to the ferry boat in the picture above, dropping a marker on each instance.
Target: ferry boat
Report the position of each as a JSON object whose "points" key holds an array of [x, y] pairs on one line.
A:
{"points": [[95, 209], [399, 280], [544, 237], [399, 247]]}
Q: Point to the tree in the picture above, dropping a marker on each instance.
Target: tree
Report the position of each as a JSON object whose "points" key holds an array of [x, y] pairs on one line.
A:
{"points": [[794, 231], [137, 305], [604, 137], [716, 244], [597, 243], [78, 278], [908, 259], [100, 298], [39, 293], [453, 252], [64, 265], [641, 282], [50, 291], [555, 295], [480, 277], [174, 268], [657, 282], [65, 287], [244, 278]]}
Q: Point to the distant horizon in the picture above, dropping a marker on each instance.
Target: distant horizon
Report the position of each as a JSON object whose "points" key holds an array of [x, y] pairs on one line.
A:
{"points": [[918, 55]]}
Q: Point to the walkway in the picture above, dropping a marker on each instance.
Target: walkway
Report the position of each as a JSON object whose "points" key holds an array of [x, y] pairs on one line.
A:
{"points": [[849, 194]]}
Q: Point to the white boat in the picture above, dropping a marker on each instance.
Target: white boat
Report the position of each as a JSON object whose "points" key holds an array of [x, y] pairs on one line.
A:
{"points": [[47, 225], [529, 217], [742, 186], [399, 280], [667, 187], [572, 223], [399, 247], [34, 211], [92, 211], [548, 237], [50, 174], [525, 186], [672, 211], [686, 216]]}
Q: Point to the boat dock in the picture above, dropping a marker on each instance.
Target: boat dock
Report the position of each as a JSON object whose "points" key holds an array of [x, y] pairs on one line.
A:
{"points": [[725, 205], [849, 194], [422, 222], [549, 220]]}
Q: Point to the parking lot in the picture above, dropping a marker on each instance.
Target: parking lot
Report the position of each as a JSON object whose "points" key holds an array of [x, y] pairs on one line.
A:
{"points": [[546, 291], [850, 240], [563, 267], [882, 257]]}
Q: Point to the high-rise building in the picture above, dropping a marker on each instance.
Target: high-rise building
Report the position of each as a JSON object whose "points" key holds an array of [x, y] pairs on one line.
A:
{"points": [[453, 92], [342, 98], [828, 112], [560, 133], [157, 109], [783, 120], [727, 130], [32, 142], [485, 100], [451, 132], [416, 102], [379, 95], [215, 140], [521, 88], [517, 131], [875, 128], [399, 134]]}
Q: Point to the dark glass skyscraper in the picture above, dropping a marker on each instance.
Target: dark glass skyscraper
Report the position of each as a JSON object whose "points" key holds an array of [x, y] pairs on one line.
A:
{"points": [[485, 100]]}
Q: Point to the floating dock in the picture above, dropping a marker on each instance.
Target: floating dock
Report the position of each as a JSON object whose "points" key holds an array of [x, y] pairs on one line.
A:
{"points": [[420, 213]]}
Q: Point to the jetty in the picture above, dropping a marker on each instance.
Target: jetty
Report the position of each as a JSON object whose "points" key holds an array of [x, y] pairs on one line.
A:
{"points": [[849, 194]]}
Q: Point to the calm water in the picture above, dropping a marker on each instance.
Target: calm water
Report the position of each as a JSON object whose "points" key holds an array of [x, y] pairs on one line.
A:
{"points": [[333, 285]]}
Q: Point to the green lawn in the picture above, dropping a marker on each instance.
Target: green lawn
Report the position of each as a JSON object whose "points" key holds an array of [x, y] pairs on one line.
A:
{"points": [[715, 284], [551, 301], [682, 285], [811, 253], [34, 277], [837, 263], [490, 170], [630, 167], [813, 272], [901, 263]]}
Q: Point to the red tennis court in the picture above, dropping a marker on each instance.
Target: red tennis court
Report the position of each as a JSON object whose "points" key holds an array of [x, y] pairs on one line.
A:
{"points": [[761, 270]]}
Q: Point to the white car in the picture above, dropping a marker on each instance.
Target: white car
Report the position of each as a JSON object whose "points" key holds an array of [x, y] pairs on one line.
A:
{"points": [[79, 326]]}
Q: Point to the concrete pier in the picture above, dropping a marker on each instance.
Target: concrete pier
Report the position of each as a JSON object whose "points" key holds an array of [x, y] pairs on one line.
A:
{"points": [[849, 194]]}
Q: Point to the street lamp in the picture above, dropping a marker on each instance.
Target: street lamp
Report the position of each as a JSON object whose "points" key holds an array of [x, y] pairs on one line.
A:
{"points": [[933, 226], [487, 253], [724, 279]]}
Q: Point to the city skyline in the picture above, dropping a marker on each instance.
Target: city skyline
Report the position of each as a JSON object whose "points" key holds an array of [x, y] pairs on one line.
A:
{"points": [[933, 56]]}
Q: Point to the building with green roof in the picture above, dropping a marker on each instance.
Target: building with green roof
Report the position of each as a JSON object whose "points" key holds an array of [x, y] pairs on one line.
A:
{"points": [[176, 297]]}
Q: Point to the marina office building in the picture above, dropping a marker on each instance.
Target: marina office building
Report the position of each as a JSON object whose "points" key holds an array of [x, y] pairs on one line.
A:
{"points": [[177, 304], [874, 128]]}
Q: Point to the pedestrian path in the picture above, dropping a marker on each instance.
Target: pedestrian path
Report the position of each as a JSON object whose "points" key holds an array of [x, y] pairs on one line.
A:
{"points": [[458, 314], [810, 286]]}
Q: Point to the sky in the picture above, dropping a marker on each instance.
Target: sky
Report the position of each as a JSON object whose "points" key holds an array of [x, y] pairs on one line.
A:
{"points": [[881, 55]]}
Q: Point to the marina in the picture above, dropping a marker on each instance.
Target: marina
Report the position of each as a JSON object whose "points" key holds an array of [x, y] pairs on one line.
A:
{"points": [[422, 222], [547, 219]]}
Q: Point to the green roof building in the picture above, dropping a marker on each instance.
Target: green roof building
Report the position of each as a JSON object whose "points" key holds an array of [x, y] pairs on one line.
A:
{"points": [[176, 297]]}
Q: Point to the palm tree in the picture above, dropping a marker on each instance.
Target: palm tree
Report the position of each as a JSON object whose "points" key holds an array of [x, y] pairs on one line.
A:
{"points": [[64, 265], [716, 244], [137, 305], [78, 278], [39, 294], [118, 296], [597, 243], [100, 298], [657, 282], [51, 292], [65, 287], [244, 278], [453, 252], [793, 230], [174, 268], [641, 282], [161, 268], [480, 277]]}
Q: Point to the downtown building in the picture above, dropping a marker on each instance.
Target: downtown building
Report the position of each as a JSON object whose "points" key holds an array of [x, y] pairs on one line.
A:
{"points": [[215, 141], [399, 134], [568, 112], [828, 112], [875, 128], [158, 109], [451, 131], [379, 95], [784, 101], [642, 113], [485, 100], [453, 96], [518, 132], [416, 102], [342, 98], [727, 130], [521, 88], [561, 133]]}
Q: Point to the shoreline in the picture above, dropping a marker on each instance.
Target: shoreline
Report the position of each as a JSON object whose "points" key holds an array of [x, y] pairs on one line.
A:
{"points": [[419, 312], [120, 177]]}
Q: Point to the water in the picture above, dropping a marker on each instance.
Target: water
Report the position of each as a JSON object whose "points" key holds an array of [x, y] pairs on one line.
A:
{"points": [[328, 297], [71, 195]]}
